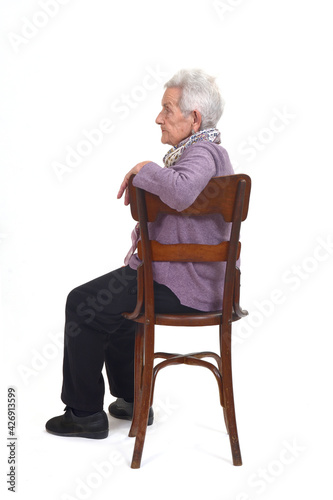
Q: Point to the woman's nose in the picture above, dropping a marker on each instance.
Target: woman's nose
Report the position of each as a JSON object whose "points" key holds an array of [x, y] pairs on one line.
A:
{"points": [[159, 119]]}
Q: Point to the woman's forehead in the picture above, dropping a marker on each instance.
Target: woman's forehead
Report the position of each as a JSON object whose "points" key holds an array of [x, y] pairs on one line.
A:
{"points": [[171, 96]]}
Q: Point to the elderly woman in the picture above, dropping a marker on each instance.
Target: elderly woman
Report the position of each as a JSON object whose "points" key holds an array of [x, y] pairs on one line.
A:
{"points": [[95, 330]]}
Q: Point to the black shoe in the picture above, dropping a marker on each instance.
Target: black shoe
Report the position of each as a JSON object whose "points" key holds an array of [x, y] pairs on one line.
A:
{"points": [[124, 410], [94, 426]]}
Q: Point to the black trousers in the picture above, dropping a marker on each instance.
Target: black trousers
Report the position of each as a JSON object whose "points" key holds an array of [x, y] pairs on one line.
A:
{"points": [[96, 333]]}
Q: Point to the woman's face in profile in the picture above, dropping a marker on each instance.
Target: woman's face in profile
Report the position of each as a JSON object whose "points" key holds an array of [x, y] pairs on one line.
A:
{"points": [[174, 125]]}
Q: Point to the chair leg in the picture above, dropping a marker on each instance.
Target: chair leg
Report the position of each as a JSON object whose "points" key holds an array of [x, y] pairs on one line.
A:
{"points": [[228, 395], [143, 411], [141, 432], [225, 419], [138, 367], [230, 419]]}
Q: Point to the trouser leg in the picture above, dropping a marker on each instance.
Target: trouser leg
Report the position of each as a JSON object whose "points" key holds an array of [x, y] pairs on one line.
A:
{"points": [[94, 325], [119, 360]]}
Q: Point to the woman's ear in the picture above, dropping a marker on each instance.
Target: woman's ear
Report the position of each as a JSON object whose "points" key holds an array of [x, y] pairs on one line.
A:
{"points": [[196, 124]]}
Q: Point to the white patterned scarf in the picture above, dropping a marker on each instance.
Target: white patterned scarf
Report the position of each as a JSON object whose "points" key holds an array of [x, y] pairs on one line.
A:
{"points": [[209, 134], [173, 155]]}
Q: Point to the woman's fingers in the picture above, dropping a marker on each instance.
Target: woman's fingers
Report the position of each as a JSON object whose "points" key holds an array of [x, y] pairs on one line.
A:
{"points": [[124, 185]]}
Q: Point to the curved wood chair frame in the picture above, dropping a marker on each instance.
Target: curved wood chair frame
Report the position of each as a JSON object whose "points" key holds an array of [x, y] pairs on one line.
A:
{"points": [[229, 196]]}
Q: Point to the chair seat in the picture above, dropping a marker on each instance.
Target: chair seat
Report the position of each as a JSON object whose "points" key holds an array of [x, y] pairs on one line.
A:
{"points": [[192, 319]]}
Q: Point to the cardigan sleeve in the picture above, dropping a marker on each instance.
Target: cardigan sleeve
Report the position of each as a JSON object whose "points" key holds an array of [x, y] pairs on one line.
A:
{"points": [[179, 186]]}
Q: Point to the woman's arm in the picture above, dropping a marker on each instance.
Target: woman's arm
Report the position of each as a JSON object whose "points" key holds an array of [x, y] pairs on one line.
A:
{"points": [[180, 185]]}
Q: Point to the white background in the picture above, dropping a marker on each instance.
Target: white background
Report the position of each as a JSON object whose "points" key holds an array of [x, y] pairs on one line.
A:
{"points": [[64, 70]]}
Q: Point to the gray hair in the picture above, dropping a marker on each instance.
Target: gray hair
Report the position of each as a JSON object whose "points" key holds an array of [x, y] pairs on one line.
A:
{"points": [[199, 91]]}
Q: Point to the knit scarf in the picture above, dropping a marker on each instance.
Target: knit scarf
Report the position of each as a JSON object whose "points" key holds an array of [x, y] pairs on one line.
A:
{"points": [[209, 134]]}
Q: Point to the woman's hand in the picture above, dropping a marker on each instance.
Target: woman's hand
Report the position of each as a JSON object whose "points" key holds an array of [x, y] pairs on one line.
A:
{"points": [[124, 185]]}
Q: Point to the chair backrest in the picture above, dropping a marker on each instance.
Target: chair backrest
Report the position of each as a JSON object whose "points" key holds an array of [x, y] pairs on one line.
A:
{"points": [[227, 195], [219, 196]]}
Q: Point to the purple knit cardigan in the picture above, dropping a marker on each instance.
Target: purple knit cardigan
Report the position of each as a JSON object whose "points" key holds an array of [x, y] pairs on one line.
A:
{"points": [[198, 285]]}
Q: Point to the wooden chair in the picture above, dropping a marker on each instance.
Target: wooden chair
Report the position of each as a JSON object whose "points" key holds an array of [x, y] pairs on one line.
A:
{"points": [[229, 196]]}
